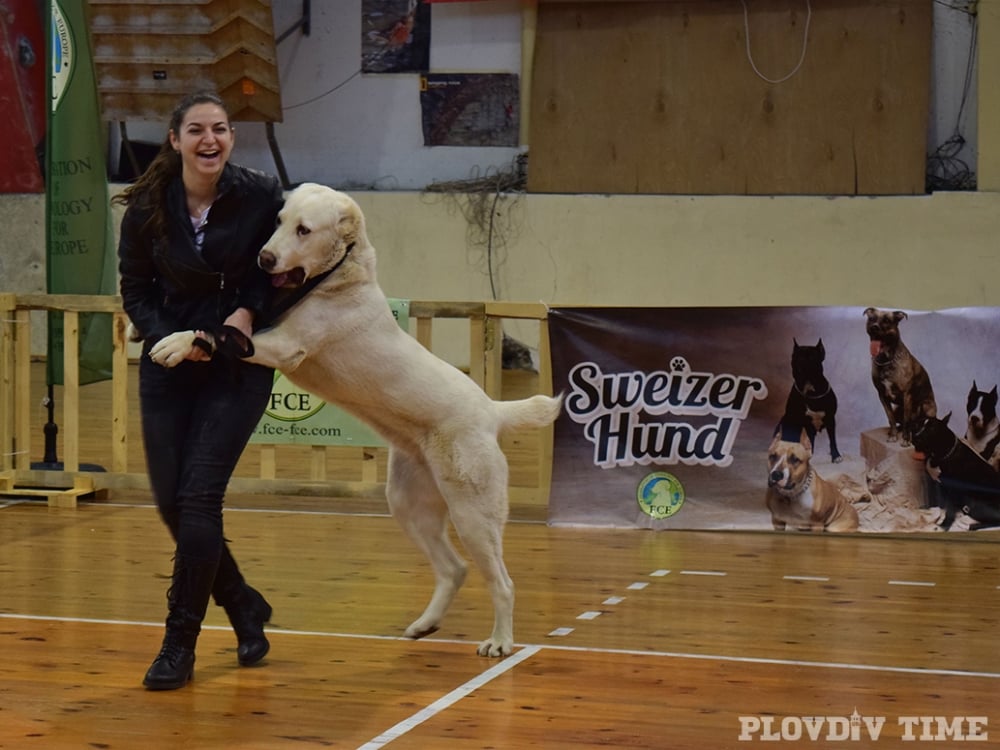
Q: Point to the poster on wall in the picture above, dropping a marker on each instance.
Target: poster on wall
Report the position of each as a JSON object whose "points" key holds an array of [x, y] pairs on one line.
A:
{"points": [[395, 36], [470, 109], [811, 419]]}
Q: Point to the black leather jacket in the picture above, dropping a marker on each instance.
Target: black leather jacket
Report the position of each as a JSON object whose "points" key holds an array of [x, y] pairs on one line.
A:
{"points": [[167, 285]]}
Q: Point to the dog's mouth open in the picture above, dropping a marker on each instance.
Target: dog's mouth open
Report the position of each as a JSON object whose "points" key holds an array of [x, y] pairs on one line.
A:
{"points": [[875, 347], [289, 279]]}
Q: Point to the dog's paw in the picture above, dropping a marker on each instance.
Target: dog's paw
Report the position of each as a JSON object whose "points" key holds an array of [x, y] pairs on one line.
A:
{"points": [[171, 350], [419, 630], [495, 649]]}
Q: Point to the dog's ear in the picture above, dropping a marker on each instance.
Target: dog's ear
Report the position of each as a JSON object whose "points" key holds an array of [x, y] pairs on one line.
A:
{"points": [[775, 440], [994, 391], [870, 312], [899, 315], [973, 389], [945, 418], [821, 349], [805, 441], [348, 226]]}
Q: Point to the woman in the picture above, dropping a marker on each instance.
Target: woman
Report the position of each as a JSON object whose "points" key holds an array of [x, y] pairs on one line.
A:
{"points": [[188, 250]]}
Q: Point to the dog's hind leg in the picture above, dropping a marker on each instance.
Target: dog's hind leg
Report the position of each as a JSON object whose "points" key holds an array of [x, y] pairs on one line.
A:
{"points": [[421, 511], [476, 489]]}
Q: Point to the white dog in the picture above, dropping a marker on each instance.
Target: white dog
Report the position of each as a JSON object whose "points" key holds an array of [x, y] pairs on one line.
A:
{"points": [[342, 343]]}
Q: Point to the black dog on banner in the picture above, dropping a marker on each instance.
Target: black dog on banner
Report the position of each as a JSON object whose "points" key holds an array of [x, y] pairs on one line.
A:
{"points": [[811, 403], [963, 480], [983, 431]]}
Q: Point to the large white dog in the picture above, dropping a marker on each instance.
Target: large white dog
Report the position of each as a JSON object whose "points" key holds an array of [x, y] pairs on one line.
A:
{"points": [[342, 343]]}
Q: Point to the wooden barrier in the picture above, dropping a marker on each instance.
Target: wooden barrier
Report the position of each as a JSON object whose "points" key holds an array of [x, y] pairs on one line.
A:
{"points": [[61, 488]]}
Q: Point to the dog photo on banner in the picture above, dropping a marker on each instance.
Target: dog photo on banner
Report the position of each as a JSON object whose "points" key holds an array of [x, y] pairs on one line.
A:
{"points": [[812, 419]]}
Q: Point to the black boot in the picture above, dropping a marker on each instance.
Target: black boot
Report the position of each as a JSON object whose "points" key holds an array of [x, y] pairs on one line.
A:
{"points": [[187, 598], [246, 608]]}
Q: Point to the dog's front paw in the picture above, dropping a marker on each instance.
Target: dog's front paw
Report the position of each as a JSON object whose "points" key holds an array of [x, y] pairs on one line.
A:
{"points": [[419, 629], [495, 648], [171, 350]]}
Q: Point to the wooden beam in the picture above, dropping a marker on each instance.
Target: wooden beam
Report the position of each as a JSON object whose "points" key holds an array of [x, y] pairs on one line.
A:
{"points": [[988, 170]]}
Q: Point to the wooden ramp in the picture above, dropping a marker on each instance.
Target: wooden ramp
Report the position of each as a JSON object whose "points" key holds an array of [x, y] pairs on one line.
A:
{"points": [[148, 54], [55, 497]]}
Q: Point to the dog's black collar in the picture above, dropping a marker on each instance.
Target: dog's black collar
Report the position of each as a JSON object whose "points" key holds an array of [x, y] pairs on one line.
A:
{"points": [[812, 395], [951, 450], [286, 302], [877, 359]]}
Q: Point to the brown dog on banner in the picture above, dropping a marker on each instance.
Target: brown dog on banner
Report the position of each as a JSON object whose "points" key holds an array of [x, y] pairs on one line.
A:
{"points": [[796, 495], [902, 383]]}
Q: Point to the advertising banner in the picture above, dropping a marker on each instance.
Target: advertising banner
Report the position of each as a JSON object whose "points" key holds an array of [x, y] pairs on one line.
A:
{"points": [[297, 417], [80, 256], [776, 418]]}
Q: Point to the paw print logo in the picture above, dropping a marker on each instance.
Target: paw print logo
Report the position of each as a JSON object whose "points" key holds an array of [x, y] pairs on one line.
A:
{"points": [[679, 364]]}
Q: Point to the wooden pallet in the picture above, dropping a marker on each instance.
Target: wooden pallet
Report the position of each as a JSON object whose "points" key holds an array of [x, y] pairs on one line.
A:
{"points": [[56, 497]]}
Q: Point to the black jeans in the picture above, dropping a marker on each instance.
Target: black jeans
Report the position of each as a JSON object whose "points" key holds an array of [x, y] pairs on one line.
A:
{"points": [[196, 421]]}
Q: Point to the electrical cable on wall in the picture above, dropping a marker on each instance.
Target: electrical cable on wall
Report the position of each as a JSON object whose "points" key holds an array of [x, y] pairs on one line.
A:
{"points": [[340, 85], [945, 170], [805, 44], [477, 198]]}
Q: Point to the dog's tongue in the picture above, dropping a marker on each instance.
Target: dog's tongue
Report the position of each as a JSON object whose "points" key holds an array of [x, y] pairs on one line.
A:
{"points": [[279, 280], [875, 347]]}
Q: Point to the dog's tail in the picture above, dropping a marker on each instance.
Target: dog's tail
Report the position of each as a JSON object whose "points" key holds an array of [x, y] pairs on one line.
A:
{"points": [[537, 411]]}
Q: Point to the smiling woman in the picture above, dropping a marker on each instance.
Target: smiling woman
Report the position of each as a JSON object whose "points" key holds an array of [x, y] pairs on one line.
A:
{"points": [[190, 235]]}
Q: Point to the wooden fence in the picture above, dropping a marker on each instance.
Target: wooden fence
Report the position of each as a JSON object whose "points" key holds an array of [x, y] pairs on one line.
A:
{"points": [[64, 486]]}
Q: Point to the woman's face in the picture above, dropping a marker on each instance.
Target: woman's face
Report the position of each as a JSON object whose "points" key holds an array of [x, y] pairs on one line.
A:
{"points": [[204, 141]]}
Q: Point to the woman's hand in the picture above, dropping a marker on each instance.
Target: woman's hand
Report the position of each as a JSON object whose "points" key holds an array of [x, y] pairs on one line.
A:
{"points": [[242, 320]]}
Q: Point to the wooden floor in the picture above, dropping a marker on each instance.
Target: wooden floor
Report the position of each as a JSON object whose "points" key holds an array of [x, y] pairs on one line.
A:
{"points": [[629, 639]]}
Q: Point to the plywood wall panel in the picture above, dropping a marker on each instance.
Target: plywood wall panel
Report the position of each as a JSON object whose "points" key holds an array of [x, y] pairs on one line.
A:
{"points": [[661, 97], [147, 54]]}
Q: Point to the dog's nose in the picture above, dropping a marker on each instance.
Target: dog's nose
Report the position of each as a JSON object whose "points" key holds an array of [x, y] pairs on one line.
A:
{"points": [[774, 477], [266, 260]]}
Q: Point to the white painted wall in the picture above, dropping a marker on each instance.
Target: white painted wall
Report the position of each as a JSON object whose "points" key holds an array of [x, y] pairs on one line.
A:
{"points": [[367, 134], [918, 252]]}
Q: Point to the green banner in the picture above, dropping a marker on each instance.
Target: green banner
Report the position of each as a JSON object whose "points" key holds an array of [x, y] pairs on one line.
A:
{"points": [[80, 255], [295, 416]]}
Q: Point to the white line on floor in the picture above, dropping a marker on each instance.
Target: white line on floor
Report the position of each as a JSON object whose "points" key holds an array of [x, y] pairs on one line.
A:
{"points": [[703, 573], [555, 647], [450, 699]]}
